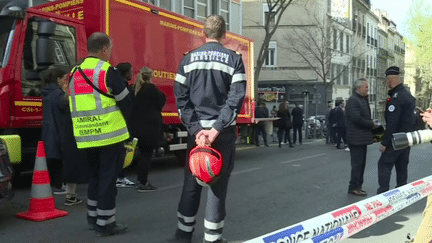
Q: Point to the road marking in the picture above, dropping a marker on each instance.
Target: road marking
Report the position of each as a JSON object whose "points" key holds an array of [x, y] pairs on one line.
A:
{"points": [[166, 188], [245, 171], [309, 157]]}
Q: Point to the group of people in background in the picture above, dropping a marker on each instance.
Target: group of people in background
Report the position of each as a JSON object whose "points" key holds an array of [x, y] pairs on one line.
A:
{"points": [[284, 123]]}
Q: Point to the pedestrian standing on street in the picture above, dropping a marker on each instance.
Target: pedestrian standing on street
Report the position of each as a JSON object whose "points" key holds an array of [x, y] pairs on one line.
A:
{"points": [[210, 88], [400, 117], [339, 123], [287, 138], [147, 124], [273, 114], [297, 121], [329, 135], [261, 112], [126, 71], [359, 127], [283, 123], [424, 232], [100, 101], [57, 133]]}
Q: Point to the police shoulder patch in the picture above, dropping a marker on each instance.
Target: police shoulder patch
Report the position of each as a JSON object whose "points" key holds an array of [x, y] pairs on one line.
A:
{"points": [[391, 108]]}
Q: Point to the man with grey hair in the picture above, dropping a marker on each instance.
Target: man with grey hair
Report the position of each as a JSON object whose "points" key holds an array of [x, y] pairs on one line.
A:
{"points": [[359, 127], [209, 87]]}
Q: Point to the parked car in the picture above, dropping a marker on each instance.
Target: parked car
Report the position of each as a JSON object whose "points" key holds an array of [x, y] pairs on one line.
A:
{"points": [[6, 174]]}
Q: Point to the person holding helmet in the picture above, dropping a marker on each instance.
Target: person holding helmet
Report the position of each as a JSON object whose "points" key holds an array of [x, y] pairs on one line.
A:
{"points": [[209, 87]]}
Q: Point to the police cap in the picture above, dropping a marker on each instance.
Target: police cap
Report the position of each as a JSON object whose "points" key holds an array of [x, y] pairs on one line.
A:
{"points": [[393, 70]]}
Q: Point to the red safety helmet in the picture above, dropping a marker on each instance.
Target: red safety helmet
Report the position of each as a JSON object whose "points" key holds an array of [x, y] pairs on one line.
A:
{"points": [[205, 163]]}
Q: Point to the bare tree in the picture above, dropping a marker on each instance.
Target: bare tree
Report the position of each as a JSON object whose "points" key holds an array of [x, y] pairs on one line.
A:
{"points": [[315, 44], [276, 8]]}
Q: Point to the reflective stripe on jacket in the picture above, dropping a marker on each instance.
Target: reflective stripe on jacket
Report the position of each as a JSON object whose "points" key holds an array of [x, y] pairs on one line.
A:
{"points": [[97, 121]]}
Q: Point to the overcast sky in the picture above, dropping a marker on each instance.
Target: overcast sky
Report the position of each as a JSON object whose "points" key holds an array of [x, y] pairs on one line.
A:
{"points": [[397, 10]]}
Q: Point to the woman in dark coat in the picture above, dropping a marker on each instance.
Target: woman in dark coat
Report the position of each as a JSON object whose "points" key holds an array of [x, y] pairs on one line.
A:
{"points": [[146, 123], [282, 122], [65, 162]]}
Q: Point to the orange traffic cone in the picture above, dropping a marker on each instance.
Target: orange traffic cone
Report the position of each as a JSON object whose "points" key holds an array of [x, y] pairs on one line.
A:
{"points": [[42, 205]]}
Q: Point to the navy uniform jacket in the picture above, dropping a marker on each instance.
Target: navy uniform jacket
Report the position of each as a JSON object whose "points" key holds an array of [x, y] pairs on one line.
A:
{"points": [[399, 114], [210, 86]]}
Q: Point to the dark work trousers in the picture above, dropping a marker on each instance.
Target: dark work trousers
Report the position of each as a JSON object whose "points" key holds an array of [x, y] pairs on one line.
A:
{"points": [[297, 129], [55, 170], [397, 158], [105, 163], [216, 194], [340, 134], [260, 128], [144, 164], [358, 164]]}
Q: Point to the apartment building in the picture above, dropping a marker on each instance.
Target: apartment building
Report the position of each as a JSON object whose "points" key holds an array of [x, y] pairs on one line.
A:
{"points": [[292, 69]]}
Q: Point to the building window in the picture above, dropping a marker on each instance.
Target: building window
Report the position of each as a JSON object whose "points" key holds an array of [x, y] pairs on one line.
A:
{"points": [[341, 41], [224, 11], [202, 10], [335, 39], [348, 44], [189, 8], [166, 4], [345, 75], [267, 14], [271, 55]]}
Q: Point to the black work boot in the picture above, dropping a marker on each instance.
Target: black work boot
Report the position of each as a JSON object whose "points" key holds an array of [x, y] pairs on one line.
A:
{"points": [[118, 229], [183, 236]]}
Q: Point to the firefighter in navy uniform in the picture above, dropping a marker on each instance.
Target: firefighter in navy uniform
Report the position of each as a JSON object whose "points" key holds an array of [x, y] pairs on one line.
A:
{"points": [[400, 117], [209, 87], [98, 104]]}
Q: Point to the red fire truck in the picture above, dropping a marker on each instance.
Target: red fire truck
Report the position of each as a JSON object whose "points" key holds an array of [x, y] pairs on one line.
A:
{"points": [[55, 33]]}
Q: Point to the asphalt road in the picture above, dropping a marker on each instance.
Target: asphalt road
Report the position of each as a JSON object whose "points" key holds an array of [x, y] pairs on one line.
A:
{"points": [[271, 188]]}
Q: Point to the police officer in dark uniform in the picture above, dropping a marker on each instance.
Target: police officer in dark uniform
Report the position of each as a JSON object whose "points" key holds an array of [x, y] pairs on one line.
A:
{"points": [[209, 87], [399, 117]]}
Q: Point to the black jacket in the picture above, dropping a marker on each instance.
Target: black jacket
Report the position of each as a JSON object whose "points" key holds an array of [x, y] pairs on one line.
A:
{"points": [[210, 86], [297, 116], [285, 120], [146, 121], [52, 119], [57, 133], [359, 122], [399, 114], [337, 117]]}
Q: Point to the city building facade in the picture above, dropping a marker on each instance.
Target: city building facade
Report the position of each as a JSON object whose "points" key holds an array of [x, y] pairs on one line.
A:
{"points": [[362, 44]]}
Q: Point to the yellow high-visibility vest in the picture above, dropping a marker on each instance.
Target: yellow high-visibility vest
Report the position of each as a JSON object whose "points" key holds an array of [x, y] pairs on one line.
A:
{"points": [[97, 121]]}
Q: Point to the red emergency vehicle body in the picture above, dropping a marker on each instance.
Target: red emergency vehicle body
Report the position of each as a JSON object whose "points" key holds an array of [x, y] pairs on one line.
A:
{"points": [[146, 35], [142, 34]]}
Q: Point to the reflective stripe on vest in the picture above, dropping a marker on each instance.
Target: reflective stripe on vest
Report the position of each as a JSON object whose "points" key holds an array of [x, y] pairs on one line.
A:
{"points": [[97, 121]]}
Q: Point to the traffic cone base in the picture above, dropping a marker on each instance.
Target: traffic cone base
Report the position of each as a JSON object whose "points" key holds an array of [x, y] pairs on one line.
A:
{"points": [[41, 210], [42, 205]]}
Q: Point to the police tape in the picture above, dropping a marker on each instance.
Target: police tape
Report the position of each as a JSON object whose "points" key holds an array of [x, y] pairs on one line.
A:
{"points": [[347, 221]]}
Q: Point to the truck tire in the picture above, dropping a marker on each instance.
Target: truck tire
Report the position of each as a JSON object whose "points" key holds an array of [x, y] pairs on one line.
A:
{"points": [[181, 157]]}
